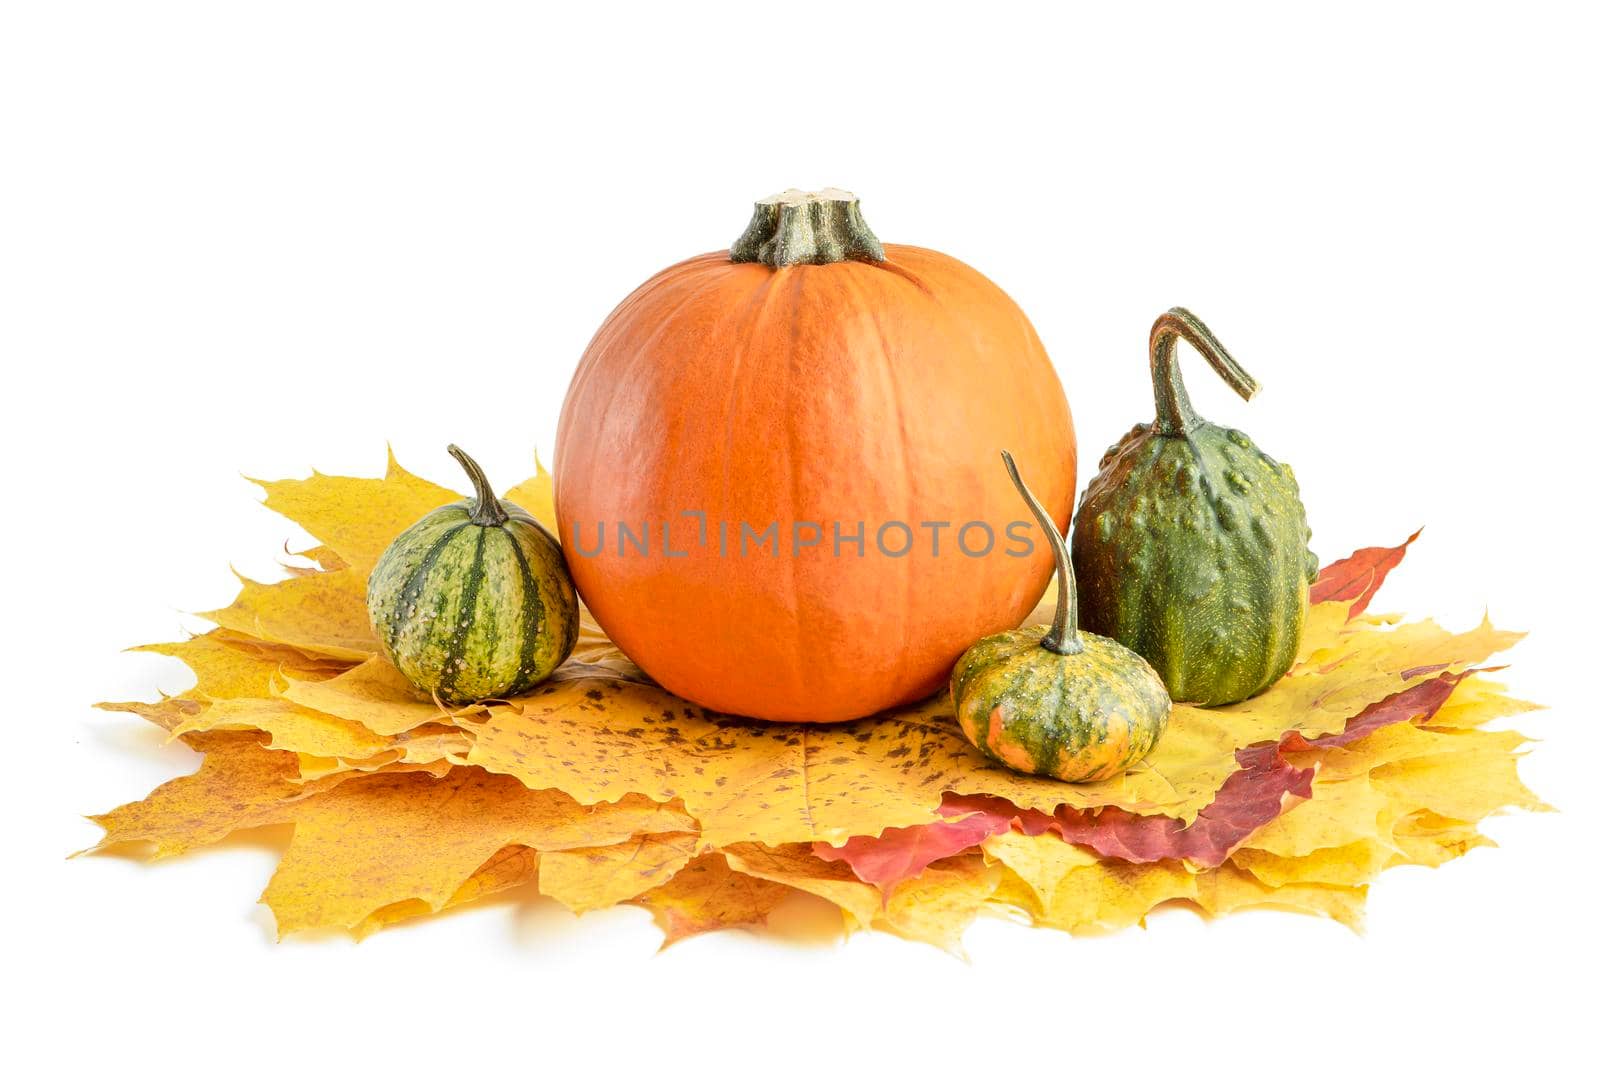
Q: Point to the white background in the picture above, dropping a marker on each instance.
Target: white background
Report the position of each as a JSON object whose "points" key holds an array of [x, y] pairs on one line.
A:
{"points": [[257, 237]]}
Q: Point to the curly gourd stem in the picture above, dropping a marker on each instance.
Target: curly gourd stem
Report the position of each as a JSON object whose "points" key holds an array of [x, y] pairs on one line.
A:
{"points": [[1174, 415], [486, 510], [1063, 637]]}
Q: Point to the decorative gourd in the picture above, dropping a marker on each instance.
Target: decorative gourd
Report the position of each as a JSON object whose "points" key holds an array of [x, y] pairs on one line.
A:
{"points": [[1055, 700], [1191, 543], [474, 601], [812, 377]]}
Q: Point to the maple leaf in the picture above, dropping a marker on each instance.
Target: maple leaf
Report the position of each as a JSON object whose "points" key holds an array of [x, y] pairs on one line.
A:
{"points": [[939, 904], [356, 518], [1467, 777], [798, 867], [373, 694], [1430, 839], [601, 876], [288, 727], [1250, 798], [903, 852], [1075, 890], [227, 664], [323, 614], [1226, 889], [377, 840], [239, 785], [511, 867], [708, 895], [1356, 578]]}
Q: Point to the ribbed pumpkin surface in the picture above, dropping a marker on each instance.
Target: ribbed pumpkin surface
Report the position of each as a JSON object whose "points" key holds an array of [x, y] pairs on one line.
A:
{"points": [[469, 611], [847, 392], [1078, 718]]}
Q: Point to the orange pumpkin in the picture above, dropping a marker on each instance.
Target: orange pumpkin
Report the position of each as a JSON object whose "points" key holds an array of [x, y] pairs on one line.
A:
{"points": [[854, 395]]}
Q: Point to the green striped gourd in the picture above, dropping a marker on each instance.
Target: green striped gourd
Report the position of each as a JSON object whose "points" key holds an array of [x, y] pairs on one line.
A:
{"points": [[1191, 543], [474, 601], [1055, 700]]}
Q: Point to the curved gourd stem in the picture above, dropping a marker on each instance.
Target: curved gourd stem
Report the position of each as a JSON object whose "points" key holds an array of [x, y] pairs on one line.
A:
{"points": [[486, 510], [1063, 636], [1174, 415], [795, 228]]}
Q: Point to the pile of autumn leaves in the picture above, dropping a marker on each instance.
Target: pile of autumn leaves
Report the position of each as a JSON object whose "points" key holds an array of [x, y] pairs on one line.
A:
{"points": [[604, 789]]}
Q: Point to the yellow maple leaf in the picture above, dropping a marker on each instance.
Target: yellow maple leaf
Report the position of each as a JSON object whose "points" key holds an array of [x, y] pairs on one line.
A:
{"points": [[357, 518], [601, 876], [1428, 838], [1227, 889], [1356, 863], [1477, 702], [378, 840], [508, 869], [1079, 891], [1469, 777], [1340, 813], [240, 784], [373, 694], [707, 895], [938, 905], [290, 727], [229, 664], [324, 613], [798, 867]]}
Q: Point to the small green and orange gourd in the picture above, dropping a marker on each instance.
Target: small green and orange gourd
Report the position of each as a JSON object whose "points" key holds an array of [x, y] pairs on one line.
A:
{"points": [[473, 601], [1191, 543], [1055, 700]]}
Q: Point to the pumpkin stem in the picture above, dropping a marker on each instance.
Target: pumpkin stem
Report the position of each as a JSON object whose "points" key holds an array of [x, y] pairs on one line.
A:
{"points": [[1063, 637], [486, 509], [1174, 415], [797, 227]]}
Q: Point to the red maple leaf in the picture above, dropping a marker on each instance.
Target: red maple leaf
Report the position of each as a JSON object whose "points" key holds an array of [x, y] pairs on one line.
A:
{"points": [[1357, 577], [1250, 798], [1419, 702], [903, 852]]}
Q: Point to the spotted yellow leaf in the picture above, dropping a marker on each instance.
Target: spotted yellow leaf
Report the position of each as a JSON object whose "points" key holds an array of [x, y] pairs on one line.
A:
{"points": [[798, 867], [240, 784], [377, 840], [707, 895]]}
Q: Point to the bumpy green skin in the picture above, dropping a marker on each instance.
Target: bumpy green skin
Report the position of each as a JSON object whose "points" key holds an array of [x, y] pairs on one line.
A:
{"points": [[1078, 717], [1191, 550], [468, 612]]}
